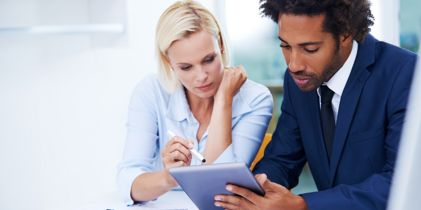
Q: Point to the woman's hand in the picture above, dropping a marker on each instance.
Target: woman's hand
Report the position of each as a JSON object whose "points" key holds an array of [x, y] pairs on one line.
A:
{"points": [[232, 80], [177, 153]]}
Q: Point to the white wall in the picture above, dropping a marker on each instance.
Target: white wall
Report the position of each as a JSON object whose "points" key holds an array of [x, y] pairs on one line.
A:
{"points": [[386, 24], [63, 98]]}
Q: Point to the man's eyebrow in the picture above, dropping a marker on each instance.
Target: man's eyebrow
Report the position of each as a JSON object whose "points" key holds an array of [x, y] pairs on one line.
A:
{"points": [[302, 44], [309, 43], [282, 39]]}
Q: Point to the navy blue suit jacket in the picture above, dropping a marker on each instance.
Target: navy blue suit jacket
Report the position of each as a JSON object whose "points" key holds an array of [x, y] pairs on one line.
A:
{"points": [[368, 129]]}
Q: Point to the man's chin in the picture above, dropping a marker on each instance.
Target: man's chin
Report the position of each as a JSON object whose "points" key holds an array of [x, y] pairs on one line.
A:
{"points": [[306, 88]]}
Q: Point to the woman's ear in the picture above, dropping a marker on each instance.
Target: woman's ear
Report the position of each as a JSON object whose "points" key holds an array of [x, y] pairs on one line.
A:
{"points": [[167, 62], [221, 43]]}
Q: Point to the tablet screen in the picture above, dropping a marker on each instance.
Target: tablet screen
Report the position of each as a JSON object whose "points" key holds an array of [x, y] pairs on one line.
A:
{"points": [[201, 183]]}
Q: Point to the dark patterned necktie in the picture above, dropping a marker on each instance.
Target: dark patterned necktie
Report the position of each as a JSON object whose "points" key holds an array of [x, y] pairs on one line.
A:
{"points": [[327, 118]]}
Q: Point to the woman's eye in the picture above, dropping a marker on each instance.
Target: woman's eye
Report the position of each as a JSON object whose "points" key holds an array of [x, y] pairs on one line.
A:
{"points": [[210, 60], [185, 68]]}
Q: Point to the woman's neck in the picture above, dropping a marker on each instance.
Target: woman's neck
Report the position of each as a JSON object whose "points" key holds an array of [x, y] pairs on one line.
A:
{"points": [[199, 105]]}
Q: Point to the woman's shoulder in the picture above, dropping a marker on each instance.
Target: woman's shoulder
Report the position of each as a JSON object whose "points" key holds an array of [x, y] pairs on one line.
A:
{"points": [[251, 87], [150, 83], [253, 92], [151, 86], [149, 80]]}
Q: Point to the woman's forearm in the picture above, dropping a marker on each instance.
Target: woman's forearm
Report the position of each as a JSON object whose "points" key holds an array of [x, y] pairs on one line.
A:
{"points": [[151, 185], [220, 129]]}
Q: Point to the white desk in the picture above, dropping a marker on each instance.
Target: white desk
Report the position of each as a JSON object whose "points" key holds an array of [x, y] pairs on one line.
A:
{"points": [[173, 200]]}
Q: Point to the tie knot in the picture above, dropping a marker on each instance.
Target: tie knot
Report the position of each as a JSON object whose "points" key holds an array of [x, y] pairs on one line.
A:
{"points": [[326, 94]]}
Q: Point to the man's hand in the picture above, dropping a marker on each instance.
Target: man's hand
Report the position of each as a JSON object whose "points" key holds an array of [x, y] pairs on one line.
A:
{"points": [[276, 197]]}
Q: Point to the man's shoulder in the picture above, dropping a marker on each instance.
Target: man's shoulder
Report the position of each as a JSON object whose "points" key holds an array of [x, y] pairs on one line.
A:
{"points": [[394, 52], [388, 53], [384, 58]]}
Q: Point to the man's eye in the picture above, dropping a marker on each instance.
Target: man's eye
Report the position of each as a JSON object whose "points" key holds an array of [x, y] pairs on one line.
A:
{"points": [[285, 46], [311, 50]]}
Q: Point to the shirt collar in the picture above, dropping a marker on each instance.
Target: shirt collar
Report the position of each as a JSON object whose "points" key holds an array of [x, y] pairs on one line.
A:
{"points": [[178, 108], [338, 81]]}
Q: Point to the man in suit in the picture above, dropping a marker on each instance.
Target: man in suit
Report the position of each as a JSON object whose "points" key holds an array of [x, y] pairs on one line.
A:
{"points": [[345, 96]]}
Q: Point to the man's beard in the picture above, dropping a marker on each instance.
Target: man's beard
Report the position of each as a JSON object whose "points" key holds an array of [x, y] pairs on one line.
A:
{"points": [[317, 80]]}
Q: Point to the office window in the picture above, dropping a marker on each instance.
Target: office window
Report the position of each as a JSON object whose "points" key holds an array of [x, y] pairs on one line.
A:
{"points": [[410, 24], [255, 45], [254, 42]]}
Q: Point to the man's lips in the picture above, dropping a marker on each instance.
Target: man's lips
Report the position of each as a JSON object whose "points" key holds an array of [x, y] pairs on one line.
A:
{"points": [[300, 80]]}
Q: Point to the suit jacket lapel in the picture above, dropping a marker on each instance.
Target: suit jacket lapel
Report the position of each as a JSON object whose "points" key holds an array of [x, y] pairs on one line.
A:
{"points": [[349, 100]]}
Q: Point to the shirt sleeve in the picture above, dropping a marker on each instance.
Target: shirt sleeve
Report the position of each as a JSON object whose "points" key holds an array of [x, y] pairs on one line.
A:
{"points": [[252, 112], [141, 142]]}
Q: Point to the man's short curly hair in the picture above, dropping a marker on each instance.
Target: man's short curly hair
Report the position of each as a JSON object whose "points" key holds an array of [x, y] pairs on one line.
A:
{"points": [[343, 17]]}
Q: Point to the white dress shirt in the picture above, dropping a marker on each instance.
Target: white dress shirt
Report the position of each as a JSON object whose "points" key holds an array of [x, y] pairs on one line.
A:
{"points": [[338, 81], [153, 111]]}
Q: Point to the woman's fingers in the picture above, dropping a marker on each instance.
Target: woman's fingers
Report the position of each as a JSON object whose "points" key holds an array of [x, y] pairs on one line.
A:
{"points": [[177, 150], [232, 80]]}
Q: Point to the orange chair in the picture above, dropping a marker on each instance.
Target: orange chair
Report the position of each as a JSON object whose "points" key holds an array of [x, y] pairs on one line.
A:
{"points": [[261, 151]]}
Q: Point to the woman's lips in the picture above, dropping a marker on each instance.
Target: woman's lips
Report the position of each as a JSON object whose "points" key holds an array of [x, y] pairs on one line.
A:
{"points": [[204, 87]]}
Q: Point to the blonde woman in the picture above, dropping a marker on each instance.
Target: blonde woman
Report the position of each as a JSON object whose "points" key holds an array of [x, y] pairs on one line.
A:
{"points": [[212, 109]]}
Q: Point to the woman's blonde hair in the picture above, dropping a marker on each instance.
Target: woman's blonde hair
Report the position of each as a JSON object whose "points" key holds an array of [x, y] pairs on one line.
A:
{"points": [[177, 22]]}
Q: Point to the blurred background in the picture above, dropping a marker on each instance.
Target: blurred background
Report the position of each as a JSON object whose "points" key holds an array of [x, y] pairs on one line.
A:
{"points": [[68, 68]]}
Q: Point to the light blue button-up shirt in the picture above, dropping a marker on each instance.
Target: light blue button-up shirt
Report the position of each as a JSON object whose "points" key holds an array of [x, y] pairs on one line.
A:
{"points": [[153, 111]]}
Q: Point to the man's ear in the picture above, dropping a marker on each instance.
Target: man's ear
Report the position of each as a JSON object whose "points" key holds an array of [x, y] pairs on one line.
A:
{"points": [[346, 38]]}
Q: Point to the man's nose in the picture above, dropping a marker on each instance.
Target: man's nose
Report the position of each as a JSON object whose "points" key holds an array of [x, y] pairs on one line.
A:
{"points": [[296, 62]]}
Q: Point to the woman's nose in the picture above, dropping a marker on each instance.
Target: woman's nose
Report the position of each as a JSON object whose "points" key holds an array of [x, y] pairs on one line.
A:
{"points": [[201, 74]]}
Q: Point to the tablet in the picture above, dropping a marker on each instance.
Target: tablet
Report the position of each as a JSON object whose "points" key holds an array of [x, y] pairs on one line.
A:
{"points": [[201, 183]]}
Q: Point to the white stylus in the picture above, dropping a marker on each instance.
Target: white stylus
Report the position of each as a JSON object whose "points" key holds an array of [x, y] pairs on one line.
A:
{"points": [[193, 151]]}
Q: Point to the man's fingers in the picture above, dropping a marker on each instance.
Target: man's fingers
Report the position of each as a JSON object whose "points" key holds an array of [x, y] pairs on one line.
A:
{"points": [[232, 202], [267, 184], [245, 193], [226, 206], [261, 178]]}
